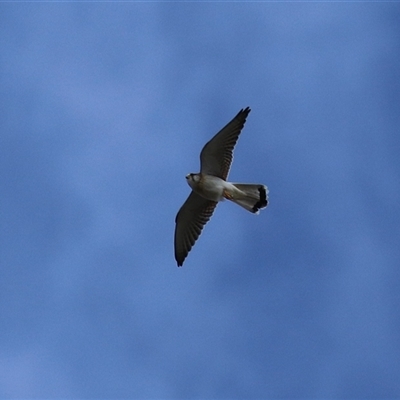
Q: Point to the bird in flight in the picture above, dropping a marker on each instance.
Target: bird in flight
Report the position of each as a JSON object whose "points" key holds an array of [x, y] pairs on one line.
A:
{"points": [[210, 186]]}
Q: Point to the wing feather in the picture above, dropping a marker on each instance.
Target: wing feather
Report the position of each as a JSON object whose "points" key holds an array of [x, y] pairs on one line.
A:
{"points": [[190, 220], [216, 156]]}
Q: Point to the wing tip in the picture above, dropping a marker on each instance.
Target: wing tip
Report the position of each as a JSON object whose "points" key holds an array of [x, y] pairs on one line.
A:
{"points": [[245, 110], [243, 114], [180, 258]]}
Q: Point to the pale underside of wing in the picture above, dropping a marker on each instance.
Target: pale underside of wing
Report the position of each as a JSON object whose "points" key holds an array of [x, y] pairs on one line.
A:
{"points": [[216, 156], [189, 222]]}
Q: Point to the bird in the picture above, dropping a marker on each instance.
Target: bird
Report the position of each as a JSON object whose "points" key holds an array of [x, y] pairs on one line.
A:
{"points": [[210, 186]]}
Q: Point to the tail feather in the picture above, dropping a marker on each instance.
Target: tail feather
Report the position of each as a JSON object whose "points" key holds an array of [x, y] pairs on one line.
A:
{"points": [[252, 197]]}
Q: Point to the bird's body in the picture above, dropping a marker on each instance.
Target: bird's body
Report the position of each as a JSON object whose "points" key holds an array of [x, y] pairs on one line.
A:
{"points": [[216, 189], [210, 187]]}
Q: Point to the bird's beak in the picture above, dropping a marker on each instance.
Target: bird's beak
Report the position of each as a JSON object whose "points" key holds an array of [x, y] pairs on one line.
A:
{"points": [[187, 176]]}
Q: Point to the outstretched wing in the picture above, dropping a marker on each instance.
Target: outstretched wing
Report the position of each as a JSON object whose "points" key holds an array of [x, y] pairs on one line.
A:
{"points": [[190, 220], [216, 156]]}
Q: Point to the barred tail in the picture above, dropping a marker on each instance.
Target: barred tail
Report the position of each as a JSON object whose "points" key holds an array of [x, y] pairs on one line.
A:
{"points": [[252, 197]]}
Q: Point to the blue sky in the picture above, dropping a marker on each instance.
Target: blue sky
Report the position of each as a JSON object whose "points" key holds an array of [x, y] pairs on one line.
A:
{"points": [[105, 108]]}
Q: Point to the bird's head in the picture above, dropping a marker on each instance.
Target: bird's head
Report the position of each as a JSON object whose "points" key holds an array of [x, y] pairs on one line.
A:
{"points": [[192, 179]]}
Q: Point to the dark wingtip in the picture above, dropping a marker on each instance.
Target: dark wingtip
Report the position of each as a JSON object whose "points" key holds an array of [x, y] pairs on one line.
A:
{"points": [[263, 202], [245, 111]]}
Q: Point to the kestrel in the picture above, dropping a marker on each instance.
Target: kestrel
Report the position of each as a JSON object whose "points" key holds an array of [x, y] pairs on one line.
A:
{"points": [[210, 186]]}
